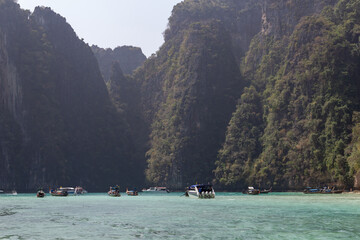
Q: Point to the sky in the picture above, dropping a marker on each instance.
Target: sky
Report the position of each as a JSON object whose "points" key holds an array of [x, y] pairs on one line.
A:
{"points": [[112, 23]]}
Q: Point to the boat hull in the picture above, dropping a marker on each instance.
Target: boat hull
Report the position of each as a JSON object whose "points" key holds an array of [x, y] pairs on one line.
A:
{"points": [[156, 190], [114, 194], [59, 194], [195, 194], [40, 194]]}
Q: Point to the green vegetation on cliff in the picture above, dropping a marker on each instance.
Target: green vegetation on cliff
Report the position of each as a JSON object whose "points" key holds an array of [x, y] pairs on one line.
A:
{"points": [[242, 92], [58, 124], [309, 87]]}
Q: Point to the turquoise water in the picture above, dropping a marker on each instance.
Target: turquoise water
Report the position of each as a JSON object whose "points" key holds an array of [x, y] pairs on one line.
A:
{"points": [[170, 216]]}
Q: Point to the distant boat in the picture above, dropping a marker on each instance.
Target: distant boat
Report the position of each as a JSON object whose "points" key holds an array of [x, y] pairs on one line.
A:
{"points": [[252, 191], [69, 190], [200, 191], [114, 191], [58, 192], [265, 191], [79, 190], [13, 192], [40, 194], [156, 190], [324, 190], [131, 192]]}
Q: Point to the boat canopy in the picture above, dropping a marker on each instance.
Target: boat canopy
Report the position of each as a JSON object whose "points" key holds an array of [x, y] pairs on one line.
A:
{"points": [[204, 187]]}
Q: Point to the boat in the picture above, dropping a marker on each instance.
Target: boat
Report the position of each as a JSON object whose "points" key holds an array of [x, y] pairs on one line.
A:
{"points": [[79, 191], [114, 191], [252, 191], [69, 190], [58, 192], [200, 191], [131, 192], [324, 190], [13, 192], [40, 193], [265, 191], [156, 190], [327, 190]]}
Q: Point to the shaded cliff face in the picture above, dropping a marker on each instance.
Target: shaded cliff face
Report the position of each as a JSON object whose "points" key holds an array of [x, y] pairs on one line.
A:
{"points": [[279, 18], [59, 125], [125, 95], [129, 58]]}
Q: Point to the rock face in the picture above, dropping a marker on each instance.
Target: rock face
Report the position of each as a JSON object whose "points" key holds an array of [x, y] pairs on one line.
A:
{"points": [[291, 128], [279, 17], [128, 57], [58, 125], [273, 137], [242, 92], [189, 89]]}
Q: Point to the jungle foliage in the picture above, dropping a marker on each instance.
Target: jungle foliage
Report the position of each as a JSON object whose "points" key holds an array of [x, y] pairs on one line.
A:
{"points": [[242, 92], [308, 83]]}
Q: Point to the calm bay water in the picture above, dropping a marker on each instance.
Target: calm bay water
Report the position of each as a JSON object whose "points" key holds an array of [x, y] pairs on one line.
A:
{"points": [[170, 216]]}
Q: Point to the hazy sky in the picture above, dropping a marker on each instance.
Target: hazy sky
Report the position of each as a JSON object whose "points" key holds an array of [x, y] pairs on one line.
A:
{"points": [[112, 23]]}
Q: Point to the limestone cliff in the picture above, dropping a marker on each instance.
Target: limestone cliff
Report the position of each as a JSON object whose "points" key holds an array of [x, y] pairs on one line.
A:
{"points": [[128, 57], [58, 125]]}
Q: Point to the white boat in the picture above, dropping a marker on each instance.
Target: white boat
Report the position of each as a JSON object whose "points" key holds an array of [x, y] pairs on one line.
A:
{"points": [[156, 190], [79, 190], [1, 191], [252, 191], [69, 190], [13, 192], [200, 191]]}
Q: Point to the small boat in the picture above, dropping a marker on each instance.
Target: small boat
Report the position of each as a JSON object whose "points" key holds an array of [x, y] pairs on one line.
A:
{"points": [[114, 191], [200, 191], [327, 190], [40, 194], [58, 192], [324, 190], [79, 190], [265, 191], [156, 190], [252, 191], [2, 191], [131, 192], [13, 193]]}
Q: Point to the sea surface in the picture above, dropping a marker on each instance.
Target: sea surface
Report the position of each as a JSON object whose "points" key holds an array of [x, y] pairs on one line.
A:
{"points": [[173, 216]]}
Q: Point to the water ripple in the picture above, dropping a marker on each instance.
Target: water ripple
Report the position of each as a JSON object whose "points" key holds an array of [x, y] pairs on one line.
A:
{"points": [[6, 212]]}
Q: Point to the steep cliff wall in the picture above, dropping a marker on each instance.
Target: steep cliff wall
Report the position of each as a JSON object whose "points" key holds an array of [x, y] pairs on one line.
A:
{"points": [[59, 126], [279, 17], [189, 89], [304, 74]]}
